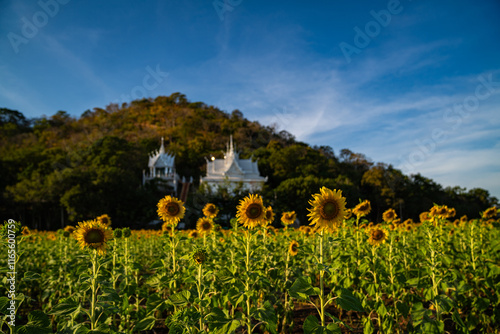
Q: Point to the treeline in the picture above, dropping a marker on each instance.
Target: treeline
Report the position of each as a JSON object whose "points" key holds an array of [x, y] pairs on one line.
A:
{"points": [[59, 170]]}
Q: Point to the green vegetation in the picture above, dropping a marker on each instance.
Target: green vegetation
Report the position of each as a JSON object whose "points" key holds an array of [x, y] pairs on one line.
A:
{"points": [[59, 169]]}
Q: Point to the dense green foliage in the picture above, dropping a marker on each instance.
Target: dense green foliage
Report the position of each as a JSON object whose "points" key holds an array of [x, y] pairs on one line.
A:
{"points": [[61, 169]]}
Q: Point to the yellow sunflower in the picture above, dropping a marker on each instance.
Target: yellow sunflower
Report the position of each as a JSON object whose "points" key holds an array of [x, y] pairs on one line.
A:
{"points": [[204, 225], [377, 236], [70, 229], [348, 214], [25, 231], [425, 217], [105, 220], [328, 209], [171, 210], [166, 228], [293, 248], [464, 219], [269, 218], [288, 218], [490, 213], [94, 235], [389, 215], [362, 209], [251, 211], [193, 234], [210, 211]]}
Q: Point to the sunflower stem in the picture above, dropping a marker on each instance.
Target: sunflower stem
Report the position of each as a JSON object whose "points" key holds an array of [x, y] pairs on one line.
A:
{"points": [[200, 296], [93, 321], [321, 274], [247, 285]]}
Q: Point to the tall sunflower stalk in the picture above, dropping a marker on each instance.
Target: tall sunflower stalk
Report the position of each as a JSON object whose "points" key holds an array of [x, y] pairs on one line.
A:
{"points": [[93, 235], [292, 250], [250, 213], [171, 211], [199, 257], [327, 213]]}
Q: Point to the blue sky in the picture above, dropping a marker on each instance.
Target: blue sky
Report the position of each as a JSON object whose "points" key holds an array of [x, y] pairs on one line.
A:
{"points": [[412, 83]]}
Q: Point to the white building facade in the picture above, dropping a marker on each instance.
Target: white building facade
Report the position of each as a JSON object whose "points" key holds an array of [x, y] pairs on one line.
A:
{"points": [[232, 171], [161, 166]]}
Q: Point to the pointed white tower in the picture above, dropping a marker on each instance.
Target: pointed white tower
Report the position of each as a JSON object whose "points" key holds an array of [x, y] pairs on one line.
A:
{"points": [[161, 166]]}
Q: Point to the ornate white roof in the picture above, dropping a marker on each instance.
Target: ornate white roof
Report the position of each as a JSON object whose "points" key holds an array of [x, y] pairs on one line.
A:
{"points": [[159, 158], [232, 168]]}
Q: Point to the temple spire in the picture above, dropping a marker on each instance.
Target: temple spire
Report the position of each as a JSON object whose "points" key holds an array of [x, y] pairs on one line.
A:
{"points": [[162, 147]]}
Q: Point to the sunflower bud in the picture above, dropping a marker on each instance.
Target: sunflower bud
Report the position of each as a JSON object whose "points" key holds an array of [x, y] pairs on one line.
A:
{"points": [[200, 256], [126, 232]]}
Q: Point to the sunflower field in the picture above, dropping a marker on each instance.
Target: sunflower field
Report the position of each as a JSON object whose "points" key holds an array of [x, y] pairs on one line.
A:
{"points": [[340, 274]]}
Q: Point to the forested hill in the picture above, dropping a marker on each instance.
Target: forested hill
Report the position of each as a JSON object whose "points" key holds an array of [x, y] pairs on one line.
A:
{"points": [[58, 170]]}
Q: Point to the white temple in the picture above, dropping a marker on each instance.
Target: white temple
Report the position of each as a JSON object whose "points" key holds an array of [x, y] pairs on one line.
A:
{"points": [[232, 171], [161, 166]]}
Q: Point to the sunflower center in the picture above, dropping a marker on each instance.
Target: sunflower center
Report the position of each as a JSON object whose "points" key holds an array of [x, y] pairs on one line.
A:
{"points": [[254, 211], [206, 226], [377, 235], [294, 248], [330, 210], [172, 208], [94, 236]]}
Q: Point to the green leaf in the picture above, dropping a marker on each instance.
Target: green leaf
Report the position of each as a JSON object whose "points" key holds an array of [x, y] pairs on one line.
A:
{"points": [[145, 324], [180, 298], [302, 288], [65, 307], [367, 326], [349, 302], [38, 319], [312, 326]]}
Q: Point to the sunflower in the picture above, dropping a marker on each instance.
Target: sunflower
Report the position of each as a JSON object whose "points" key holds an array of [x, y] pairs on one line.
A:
{"points": [[328, 209], [70, 229], [409, 221], [269, 218], [251, 211], [425, 217], [166, 228], [210, 211], [348, 214], [126, 232], [52, 236], [204, 225], [171, 210], [377, 236], [362, 209], [117, 234], [288, 218], [293, 248], [306, 230], [93, 234], [490, 213], [25, 231], [389, 215], [199, 256], [464, 219], [193, 234], [105, 220]]}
